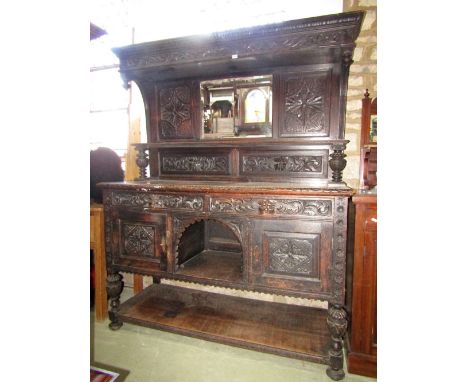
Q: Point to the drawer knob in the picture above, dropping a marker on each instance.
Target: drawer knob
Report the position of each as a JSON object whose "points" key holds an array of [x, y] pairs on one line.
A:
{"points": [[266, 207]]}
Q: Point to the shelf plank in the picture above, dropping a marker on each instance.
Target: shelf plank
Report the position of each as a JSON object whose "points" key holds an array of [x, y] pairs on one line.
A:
{"points": [[288, 330]]}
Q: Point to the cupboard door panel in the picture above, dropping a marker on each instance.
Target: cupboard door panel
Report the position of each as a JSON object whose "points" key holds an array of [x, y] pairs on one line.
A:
{"points": [[139, 240], [292, 254]]}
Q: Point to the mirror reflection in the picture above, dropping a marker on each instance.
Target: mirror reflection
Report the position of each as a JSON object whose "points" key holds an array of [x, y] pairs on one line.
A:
{"points": [[237, 107]]}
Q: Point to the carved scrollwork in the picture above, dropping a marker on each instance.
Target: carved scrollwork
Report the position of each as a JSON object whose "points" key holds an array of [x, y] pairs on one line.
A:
{"points": [[195, 163], [246, 46], [282, 164], [273, 206], [233, 205], [156, 201]]}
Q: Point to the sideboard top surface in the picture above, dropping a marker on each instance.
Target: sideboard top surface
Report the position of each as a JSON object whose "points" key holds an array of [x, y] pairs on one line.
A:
{"points": [[229, 187]]}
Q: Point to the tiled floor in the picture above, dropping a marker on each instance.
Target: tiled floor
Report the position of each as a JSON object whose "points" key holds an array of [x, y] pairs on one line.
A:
{"points": [[153, 355]]}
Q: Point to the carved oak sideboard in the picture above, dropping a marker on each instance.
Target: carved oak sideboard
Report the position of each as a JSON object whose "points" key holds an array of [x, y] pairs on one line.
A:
{"points": [[246, 196]]}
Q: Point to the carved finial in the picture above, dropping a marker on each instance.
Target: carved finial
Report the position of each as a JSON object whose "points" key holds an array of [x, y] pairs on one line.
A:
{"points": [[366, 94]]}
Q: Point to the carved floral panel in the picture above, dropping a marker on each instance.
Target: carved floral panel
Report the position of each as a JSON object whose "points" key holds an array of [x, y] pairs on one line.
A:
{"points": [[138, 240], [175, 112], [293, 256], [306, 106]]}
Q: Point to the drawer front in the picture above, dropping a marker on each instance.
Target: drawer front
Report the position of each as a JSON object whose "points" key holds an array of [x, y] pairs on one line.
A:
{"points": [[292, 254], [297, 207], [139, 240]]}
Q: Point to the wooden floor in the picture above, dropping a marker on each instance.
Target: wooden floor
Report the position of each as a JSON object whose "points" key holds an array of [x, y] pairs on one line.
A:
{"points": [[295, 331]]}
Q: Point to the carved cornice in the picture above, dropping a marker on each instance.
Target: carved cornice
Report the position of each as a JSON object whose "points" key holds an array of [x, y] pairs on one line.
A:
{"points": [[289, 36]]}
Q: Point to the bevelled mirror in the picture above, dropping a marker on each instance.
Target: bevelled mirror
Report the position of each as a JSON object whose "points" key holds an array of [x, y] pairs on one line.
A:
{"points": [[237, 107]]}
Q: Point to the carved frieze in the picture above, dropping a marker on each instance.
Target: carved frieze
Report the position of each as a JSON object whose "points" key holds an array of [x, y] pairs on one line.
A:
{"points": [[195, 163], [243, 47], [138, 240], [156, 201], [278, 206], [282, 164], [175, 112], [290, 255], [306, 105]]}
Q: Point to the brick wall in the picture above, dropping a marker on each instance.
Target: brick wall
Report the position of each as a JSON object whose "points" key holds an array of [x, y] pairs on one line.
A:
{"points": [[363, 75]]}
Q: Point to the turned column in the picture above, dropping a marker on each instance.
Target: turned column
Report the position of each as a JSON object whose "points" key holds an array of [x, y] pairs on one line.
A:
{"points": [[114, 289], [142, 161], [337, 324], [337, 162]]}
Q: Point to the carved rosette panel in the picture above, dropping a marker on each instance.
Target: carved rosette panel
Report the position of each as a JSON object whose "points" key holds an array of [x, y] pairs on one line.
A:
{"points": [[280, 207], [306, 106], [157, 201], [338, 270], [175, 112], [282, 164], [195, 164], [138, 240], [292, 256]]}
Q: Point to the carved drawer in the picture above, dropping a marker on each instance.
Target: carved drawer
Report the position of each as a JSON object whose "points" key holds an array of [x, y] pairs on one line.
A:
{"points": [[138, 240], [292, 254], [151, 201], [298, 207]]}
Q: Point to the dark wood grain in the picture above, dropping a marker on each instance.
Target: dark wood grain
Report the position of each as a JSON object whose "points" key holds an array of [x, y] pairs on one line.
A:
{"points": [[264, 214], [362, 352], [294, 331]]}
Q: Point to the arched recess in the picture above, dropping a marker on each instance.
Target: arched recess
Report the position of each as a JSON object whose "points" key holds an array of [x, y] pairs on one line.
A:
{"points": [[209, 248]]}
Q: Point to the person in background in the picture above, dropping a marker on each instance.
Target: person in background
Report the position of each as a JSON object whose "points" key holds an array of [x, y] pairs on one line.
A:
{"points": [[105, 166]]}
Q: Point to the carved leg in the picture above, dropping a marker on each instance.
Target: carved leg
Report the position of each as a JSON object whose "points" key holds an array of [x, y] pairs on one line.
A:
{"points": [[114, 289], [337, 324]]}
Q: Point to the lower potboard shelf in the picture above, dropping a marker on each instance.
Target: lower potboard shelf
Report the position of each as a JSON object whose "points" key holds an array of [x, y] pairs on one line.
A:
{"points": [[288, 330]]}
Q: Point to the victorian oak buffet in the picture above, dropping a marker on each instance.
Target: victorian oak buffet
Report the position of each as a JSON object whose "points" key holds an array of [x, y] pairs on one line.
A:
{"points": [[245, 153]]}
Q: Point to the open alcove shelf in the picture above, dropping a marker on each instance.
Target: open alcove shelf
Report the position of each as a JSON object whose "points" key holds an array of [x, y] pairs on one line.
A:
{"points": [[288, 330]]}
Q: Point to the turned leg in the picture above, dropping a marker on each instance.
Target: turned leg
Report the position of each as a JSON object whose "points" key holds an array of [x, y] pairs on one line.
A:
{"points": [[337, 324], [114, 289]]}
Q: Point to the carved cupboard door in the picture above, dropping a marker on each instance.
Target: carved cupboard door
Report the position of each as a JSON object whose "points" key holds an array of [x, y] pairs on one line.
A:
{"points": [[139, 241], [292, 254]]}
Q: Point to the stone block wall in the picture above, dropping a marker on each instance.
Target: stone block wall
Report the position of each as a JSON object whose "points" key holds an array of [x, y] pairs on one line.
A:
{"points": [[362, 76]]}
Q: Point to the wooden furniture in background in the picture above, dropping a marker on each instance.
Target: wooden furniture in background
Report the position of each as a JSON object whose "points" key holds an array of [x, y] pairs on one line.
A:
{"points": [[362, 344], [264, 211], [368, 165], [96, 223], [362, 333]]}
